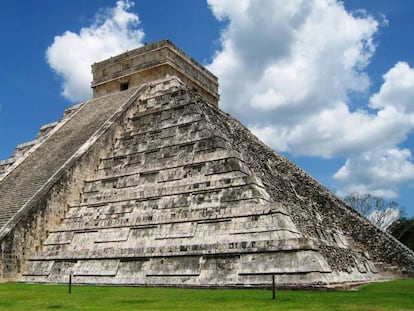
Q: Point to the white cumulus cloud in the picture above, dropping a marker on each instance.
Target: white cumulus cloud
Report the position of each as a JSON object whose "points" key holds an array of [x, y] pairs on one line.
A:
{"points": [[384, 168], [397, 90], [377, 172], [71, 54], [290, 69]]}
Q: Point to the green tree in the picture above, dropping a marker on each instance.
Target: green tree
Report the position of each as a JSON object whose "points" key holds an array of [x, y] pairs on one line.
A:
{"points": [[403, 230]]}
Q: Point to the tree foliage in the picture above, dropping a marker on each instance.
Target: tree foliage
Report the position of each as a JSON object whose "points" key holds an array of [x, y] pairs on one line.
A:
{"points": [[378, 210], [403, 230]]}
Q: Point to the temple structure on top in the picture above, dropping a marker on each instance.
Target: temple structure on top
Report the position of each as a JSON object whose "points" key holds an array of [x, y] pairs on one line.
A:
{"points": [[151, 63], [150, 183]]}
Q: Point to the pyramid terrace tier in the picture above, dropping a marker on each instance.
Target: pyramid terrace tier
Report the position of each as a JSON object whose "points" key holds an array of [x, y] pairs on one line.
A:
{"points": [[292, 268], [246, 218]]}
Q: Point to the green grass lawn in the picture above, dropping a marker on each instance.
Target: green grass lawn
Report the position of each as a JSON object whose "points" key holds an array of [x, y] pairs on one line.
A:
{"points": [[395, 295]]}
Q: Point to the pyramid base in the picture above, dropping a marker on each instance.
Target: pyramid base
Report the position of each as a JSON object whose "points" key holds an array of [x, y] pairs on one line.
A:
{"points": [[291, 269]]}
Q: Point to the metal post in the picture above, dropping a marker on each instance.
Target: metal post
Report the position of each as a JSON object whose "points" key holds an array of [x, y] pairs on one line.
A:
{"points": [[70, 283], [273, 287]]}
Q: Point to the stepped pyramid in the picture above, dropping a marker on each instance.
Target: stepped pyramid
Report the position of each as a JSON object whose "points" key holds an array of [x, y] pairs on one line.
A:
{"points": [[150, 183]]}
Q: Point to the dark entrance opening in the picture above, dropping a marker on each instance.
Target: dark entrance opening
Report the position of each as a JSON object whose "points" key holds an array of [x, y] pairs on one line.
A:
{"points": [[123, 86]]}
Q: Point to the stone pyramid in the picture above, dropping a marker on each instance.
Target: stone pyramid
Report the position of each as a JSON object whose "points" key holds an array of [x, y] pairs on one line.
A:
{"points": [[150, 183]]}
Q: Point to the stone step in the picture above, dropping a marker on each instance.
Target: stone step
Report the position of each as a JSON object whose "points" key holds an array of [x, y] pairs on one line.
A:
{"points": [[203, 248], [39, 166]]}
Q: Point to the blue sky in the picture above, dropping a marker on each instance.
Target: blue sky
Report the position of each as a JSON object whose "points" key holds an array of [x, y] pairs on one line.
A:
{"points": [[329, 84]]}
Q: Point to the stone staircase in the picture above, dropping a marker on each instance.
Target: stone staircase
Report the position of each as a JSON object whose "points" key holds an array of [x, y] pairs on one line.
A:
{"points": [[51, 153], [23, 150]]}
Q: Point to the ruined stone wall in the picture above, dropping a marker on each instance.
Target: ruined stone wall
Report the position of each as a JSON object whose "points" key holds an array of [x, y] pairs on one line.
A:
{"points": [[313, 207]]}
